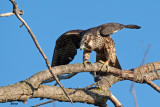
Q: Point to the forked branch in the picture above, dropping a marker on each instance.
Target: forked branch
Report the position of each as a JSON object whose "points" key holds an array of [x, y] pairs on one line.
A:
{"points": [[16, 11], [153, 85], [11, 13], [32, 88]]}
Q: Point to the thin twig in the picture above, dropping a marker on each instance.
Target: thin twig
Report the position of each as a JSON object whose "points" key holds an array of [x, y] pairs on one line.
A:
{"points": [[153, 85], [115, 101], [134, 94], [133, 84], [145, 55], [16, 10], [61, 77], [65, 77], [85, 88], [43, 103]]}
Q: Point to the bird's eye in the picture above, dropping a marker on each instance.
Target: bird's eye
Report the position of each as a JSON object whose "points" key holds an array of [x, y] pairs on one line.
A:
{"points": [[85, 43]]}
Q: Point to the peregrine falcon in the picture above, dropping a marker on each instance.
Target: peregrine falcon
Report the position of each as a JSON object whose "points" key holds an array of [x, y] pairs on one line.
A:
{"points": [[98, 39]]}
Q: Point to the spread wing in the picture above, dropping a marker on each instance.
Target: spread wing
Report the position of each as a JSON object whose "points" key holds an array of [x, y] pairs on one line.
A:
{"points": [[110, 28], [66, 47]]}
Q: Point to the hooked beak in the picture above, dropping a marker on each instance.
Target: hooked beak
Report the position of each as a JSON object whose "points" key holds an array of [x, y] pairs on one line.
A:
{"points": [[81, 47]]}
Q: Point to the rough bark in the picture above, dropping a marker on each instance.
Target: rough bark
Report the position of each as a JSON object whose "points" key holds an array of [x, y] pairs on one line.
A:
{"points": [[32, 88]]}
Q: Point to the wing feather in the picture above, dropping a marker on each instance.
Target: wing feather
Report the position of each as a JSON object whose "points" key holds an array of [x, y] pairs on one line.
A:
{"points": [[110, 28], [66, 47]]}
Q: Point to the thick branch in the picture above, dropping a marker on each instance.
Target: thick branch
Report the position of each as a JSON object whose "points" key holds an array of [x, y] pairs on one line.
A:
{"points": [[135, 75], [31, 87], [22, 92], [93, 96]]}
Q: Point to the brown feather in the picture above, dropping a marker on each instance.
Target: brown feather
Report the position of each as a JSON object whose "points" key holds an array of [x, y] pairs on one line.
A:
{"points": [[66, 47], [98, 39], [110, 28]]}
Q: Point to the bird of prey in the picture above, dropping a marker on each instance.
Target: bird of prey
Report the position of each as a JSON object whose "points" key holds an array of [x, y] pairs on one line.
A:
{"points": [[66, 47], [98, 39]]}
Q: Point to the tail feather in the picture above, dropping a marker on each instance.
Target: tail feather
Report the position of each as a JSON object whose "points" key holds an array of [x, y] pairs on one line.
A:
{"points": [[132, 26]]}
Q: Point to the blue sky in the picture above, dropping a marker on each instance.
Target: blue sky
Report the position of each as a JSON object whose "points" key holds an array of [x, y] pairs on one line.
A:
{"points": [[49, 19]]}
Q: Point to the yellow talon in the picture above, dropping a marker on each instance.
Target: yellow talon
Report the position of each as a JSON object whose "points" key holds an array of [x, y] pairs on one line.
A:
{"points": [[105, 64], [86, 62]]}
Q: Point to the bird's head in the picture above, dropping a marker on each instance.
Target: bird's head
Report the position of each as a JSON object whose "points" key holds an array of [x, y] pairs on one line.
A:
{"points": [[87, 41]]}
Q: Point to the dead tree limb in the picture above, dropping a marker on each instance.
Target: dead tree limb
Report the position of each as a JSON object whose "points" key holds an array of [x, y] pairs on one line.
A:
{"points": [[32, 88], [43, 103], [61, 77], [16, 11], [115, 101], [11, 13]]}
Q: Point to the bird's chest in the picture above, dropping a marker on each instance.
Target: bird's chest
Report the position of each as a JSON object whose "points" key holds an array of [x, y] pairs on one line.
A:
{"points": [[99, 43], [102, 44]]}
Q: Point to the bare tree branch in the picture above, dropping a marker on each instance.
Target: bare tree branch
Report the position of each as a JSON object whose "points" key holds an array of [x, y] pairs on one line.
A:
{"points": [[22, 92], [115, 101], [135, 75], [16, 11], [61, 77], [11, 13], [43, 103], [153, 85], [32, 88], [85, 88], [145, 54], [133, 85], [134, 94]]}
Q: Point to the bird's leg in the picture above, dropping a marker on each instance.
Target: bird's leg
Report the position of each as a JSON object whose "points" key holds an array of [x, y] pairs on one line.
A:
{"points": [[105, 64], [86, 57], [86, 62]]}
